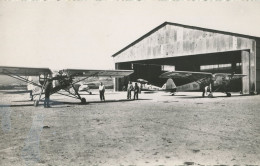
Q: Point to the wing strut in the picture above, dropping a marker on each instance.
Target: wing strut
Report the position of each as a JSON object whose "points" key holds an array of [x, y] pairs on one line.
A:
{"points": [[20, 78], [83, 100], [36, 102], [93, 75]]}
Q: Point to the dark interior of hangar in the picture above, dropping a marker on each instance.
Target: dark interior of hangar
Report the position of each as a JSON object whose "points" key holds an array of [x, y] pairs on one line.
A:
{"points": [[150, 70]]}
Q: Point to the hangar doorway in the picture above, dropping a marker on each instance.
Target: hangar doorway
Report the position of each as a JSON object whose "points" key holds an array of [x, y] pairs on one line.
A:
{"points": [[221, 62]]}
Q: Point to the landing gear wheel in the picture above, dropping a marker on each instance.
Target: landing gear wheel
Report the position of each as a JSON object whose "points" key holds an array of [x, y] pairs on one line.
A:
{"points": [[36, 103], [83, 101], [228, 94]]}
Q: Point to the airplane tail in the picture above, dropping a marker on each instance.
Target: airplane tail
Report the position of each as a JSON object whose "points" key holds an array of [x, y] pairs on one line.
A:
{"points": [[169, 86]]}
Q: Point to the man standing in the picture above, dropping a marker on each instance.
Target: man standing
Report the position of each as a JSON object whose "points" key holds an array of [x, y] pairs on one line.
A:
{"points": [[129, 89], [207, 87], [102, 91], [48, 87], [136, 91]]}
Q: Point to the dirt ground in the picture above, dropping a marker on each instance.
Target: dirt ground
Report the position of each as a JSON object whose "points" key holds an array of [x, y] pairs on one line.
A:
{"points": [[158, 129]]}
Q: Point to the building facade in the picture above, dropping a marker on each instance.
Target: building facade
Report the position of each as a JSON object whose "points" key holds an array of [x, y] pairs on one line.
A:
{"points": [[172, 46]]}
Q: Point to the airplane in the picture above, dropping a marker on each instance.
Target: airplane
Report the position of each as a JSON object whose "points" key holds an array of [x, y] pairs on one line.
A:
{"points": [[86, 86], [63, 80], [83, 87], [146, 86], [200, 81]]}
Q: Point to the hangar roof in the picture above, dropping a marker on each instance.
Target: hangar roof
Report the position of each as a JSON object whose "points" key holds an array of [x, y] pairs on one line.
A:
{"points": [[185, 26]]}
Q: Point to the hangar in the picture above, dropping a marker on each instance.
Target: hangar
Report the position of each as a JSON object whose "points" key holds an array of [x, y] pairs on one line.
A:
{"points": [[172, 46]]}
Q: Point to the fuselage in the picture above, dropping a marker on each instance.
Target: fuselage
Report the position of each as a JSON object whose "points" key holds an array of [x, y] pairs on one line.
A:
{"points": [[215, 81]]}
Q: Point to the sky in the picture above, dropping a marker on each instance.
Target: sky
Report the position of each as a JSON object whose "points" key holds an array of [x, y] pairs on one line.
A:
{"points": [[86, 33]]}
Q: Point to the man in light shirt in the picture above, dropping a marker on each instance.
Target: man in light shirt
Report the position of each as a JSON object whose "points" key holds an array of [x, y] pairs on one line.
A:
{"points": [[102, 91], [129, 89]]}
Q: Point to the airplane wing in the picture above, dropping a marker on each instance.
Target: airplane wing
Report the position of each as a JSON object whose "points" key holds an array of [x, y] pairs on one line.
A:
{"points": [[142, 81], [97, 73], [192, 76], [228, 75], [23, 71]]}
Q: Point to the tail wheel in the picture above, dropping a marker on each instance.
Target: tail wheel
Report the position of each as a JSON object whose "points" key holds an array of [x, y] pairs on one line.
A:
{"points": [[228, 94], [83, 100]]}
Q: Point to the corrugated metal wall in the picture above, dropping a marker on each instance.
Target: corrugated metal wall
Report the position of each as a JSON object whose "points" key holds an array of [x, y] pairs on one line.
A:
{"points": [[177, 41]]}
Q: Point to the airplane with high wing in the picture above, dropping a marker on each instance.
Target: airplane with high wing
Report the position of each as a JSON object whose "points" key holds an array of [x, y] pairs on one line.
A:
{"points": [[64, 79], [203, 81], [146, 85]]}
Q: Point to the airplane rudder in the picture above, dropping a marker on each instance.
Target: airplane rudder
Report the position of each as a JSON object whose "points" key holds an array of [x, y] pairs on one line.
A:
{"points": [[170, 84]]}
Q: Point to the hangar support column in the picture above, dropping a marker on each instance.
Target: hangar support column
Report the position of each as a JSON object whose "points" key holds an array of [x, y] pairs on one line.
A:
{"points": [[249, 69], [120, 82], [245, 59], [252, 69]]}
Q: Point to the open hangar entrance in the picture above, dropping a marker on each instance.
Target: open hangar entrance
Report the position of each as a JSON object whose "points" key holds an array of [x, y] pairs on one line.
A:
{"points": [[220, 62]]}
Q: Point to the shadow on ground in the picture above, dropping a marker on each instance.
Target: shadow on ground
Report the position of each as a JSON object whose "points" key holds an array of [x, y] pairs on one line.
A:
{"points": [[59, 103], [89, 102]]}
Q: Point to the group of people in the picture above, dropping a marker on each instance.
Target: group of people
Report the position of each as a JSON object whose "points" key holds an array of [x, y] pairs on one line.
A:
{"points": [[131, 88]]}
